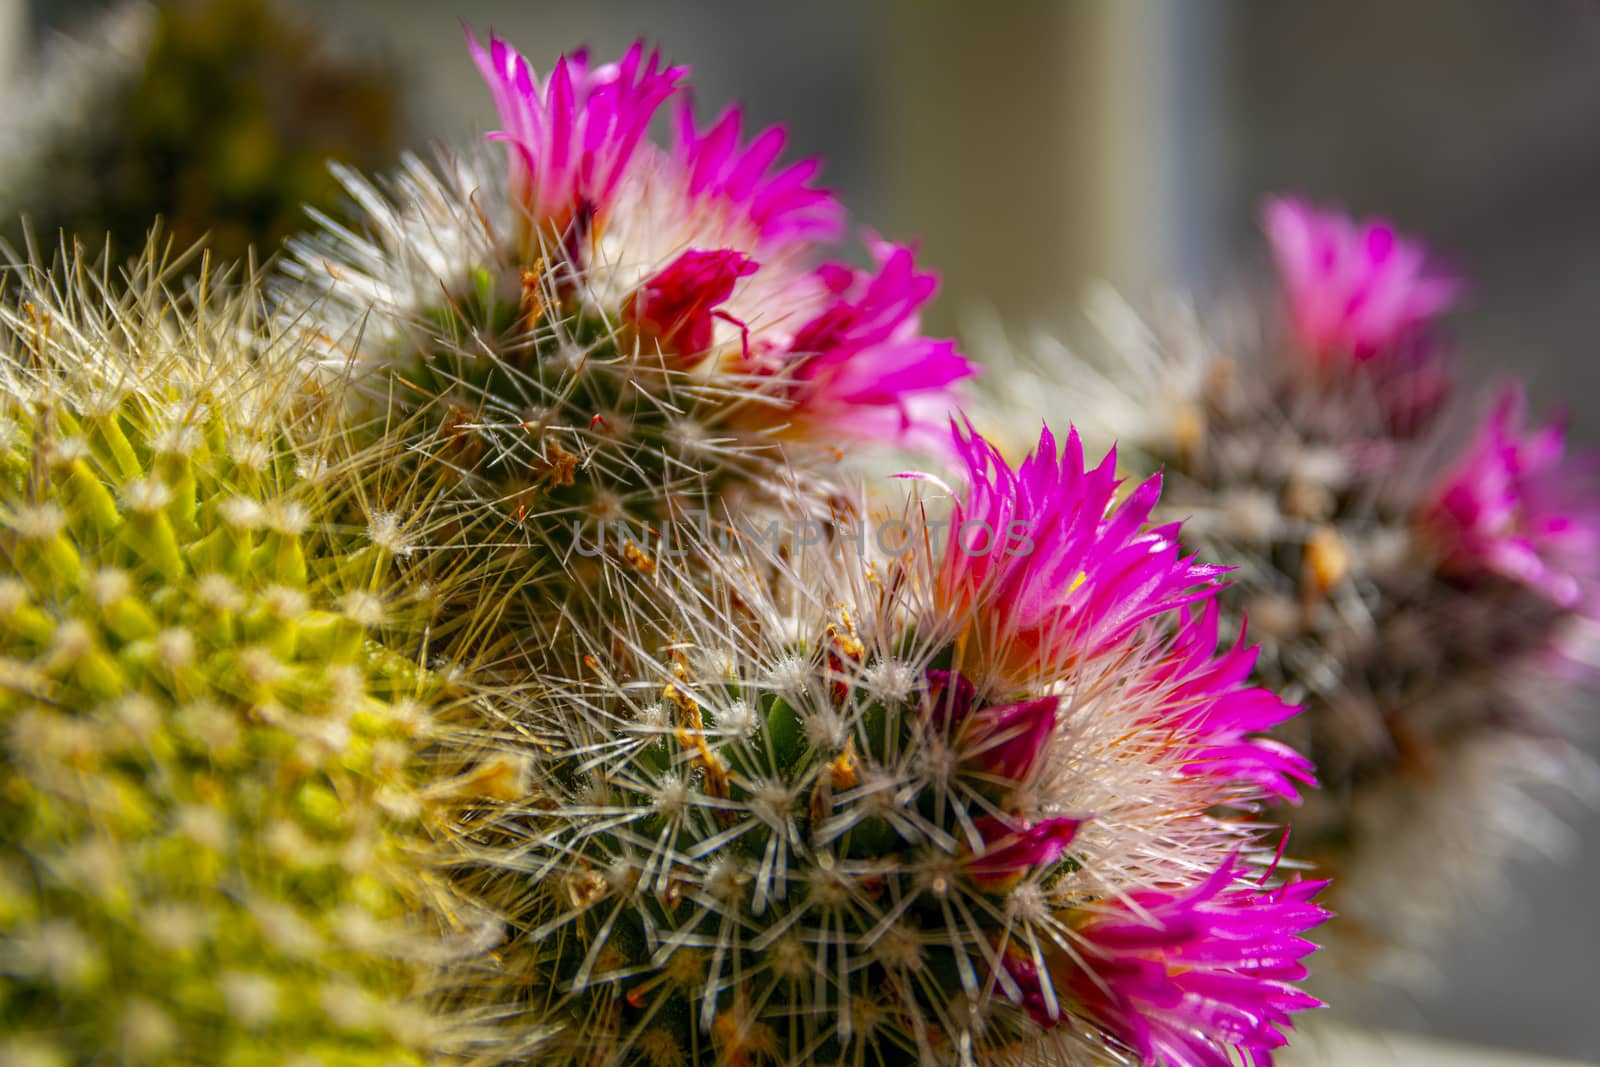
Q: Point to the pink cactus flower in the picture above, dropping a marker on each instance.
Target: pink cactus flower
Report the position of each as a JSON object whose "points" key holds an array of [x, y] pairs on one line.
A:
{"points": [[1183, 977], [861, 367], [1007, 740], [783, 207], [1015, 846], [1029, 990], [715, 230], [951, 698], [677, 306], [572, 135], [1004, 740], [1049, 567], [1356, 291], [1518, 506], [1215, 715]]}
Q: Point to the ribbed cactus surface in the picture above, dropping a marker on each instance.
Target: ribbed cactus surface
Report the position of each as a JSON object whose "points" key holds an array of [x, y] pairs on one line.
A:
{"points": [[209, 798]]}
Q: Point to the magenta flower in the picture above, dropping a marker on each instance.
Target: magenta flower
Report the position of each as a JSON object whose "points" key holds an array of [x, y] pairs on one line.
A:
{"points": [[1050, 568], [1181, 977], [781, 206], [1355, 291], [861, 367], [1215, 715], [1013, 847], [676, 306], [1029, 987], [1004, 740], [951, 698], [1517, 506], [712, 229], [1007, 740], [572, 136]]}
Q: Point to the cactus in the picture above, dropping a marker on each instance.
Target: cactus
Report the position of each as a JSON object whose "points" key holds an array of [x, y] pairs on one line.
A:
{"points": [[1429, 598], [219, 755], [836, 808], [610, 336], [216, 115], [897, 810]]}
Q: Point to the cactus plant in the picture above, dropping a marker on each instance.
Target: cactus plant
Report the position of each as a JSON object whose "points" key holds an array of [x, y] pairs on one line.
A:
{"points": [[309, 692], [951, 806], [606, 334], [1427, 588], [217, 115], [217, 775]]}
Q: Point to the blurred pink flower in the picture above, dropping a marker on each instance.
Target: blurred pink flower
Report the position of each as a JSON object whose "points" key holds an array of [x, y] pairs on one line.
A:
{"points": [[1516, 505], [1355, 291], [1049, 567], [571, 136], [1182, 977]]}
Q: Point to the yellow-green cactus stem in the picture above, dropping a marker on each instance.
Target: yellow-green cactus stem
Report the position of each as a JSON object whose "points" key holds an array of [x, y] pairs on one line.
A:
{"points": [[213, 805]]}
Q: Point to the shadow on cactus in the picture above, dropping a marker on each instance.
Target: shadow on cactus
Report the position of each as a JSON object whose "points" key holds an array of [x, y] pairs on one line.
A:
{"points": [[219, 777], [950, 806]]}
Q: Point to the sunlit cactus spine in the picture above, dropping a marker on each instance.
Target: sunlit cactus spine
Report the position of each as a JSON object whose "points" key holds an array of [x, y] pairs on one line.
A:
{"points": [[216, 778], [606, 334], [935, 805], [1419, 572]]}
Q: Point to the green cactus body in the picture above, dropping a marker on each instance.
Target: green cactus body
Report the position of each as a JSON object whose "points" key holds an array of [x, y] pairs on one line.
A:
{"points": [[209, 797], [563, 439], [752, 841], [741, 889], [539, 405]]}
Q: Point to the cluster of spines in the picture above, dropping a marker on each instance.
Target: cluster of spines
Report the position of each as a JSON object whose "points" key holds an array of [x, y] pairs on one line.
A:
{"points": [[779, 827], [219, 746]]}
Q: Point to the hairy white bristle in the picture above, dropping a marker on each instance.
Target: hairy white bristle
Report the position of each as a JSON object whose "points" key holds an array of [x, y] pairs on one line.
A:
{"points": [[146, 496], [38, 522], [386, 530]]}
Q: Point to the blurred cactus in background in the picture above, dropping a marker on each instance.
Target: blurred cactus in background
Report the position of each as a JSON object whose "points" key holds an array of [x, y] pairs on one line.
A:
{"points": [[215, 776], [217, 115], [1427, 589]]}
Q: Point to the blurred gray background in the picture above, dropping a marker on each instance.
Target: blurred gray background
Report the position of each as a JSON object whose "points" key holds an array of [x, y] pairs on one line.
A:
{"points": [[1035, 146]]}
